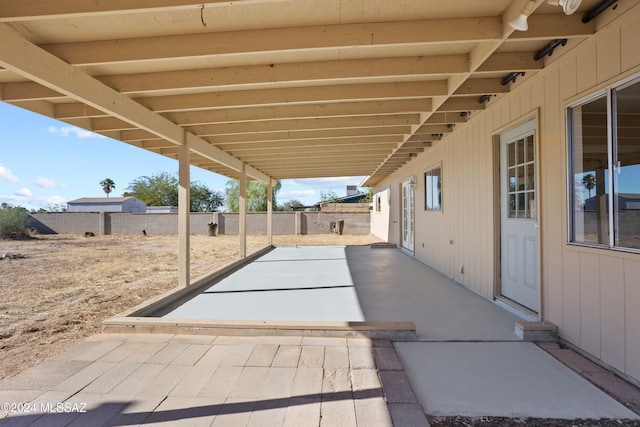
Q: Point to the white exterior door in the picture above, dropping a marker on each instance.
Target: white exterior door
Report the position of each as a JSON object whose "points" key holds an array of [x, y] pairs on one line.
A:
{"points": [[407, 215], [519, 226]]}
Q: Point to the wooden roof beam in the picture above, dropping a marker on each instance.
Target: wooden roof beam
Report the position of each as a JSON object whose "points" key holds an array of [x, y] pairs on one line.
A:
{"points": [[362, 108], [511, 61], [49, 9], [335, 150], [310, 134], [480, 87], [313, 72], [353, 141], [284, 96], [555, 26], [310, 124], [246, 77], [279, 39]]}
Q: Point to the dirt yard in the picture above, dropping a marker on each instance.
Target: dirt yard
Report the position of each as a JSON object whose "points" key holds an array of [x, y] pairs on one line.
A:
{"points": [[58, 289]]}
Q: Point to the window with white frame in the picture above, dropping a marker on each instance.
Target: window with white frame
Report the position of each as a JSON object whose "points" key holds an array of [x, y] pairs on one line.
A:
{"points": [[433, 189], [604, 168]]}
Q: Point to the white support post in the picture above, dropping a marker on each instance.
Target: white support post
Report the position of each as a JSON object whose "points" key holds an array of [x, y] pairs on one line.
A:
{"points": [[184, 232], [270, 212], [242, 220]]}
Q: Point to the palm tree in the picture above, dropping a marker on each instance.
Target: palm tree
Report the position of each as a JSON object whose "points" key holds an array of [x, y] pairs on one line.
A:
{"points": [[107, 185], [589, 182]]}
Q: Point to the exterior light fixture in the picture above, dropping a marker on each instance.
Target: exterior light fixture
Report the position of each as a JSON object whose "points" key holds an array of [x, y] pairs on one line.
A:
{"points": [[466, 115], [568, 6], [413, 183], [520, 22], [511, 78], [548, 49]]}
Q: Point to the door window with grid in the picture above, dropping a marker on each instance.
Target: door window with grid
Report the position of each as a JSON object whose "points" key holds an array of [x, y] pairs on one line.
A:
{"points": [[522, 177]]}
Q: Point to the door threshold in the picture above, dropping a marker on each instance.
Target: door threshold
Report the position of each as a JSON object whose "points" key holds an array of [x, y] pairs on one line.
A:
{"points": [[517, 309], [407, 251]]}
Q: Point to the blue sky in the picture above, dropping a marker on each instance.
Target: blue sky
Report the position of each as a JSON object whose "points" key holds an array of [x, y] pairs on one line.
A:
{"points": [[44, 162]]}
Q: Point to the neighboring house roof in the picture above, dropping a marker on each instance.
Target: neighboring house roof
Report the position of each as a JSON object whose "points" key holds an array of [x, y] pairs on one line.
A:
{"points": [[103, 200], [354, 198], [632, 196]]}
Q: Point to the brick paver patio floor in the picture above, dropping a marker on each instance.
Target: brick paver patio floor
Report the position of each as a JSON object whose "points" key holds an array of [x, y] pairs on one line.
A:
{"points": [[157, 379]]}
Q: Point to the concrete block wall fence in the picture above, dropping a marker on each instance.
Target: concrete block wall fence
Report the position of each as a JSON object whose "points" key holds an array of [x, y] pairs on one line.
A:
{"points": [[125, 223]]}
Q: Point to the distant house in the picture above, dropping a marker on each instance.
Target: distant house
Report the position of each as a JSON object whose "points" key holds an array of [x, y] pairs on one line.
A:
{"points": [[353, 195], [107, 204], [625, 201]]}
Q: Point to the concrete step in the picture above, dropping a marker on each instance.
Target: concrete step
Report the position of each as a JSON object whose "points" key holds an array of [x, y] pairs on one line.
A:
{"points": [[536, 331]]}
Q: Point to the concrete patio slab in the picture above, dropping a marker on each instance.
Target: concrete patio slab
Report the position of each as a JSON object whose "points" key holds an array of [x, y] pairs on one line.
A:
{"points": [[288, 283], [393, 286], [509, 379], [354, 283], [329, 304]]}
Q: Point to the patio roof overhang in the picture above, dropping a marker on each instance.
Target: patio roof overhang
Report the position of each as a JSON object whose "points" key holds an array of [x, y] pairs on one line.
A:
{"points": [[275, 89]]}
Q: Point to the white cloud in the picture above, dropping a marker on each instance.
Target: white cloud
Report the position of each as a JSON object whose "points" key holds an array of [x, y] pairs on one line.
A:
{"points": [[295, 194], [24, 192], [50, 200], [329, 183], [65, 131], [45, 182], [30, 202], [7, 175]]}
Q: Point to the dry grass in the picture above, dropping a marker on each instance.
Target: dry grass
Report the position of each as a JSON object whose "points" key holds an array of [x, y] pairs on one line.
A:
{"points": [[66, 285]]}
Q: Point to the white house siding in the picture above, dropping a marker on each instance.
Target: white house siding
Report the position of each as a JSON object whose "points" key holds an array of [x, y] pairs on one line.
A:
{"points": [[119, 204], [593, 295]]}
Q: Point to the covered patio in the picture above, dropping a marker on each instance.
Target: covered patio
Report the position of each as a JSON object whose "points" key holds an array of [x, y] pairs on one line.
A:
{"points": [[282, 89], [270, 90]]}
